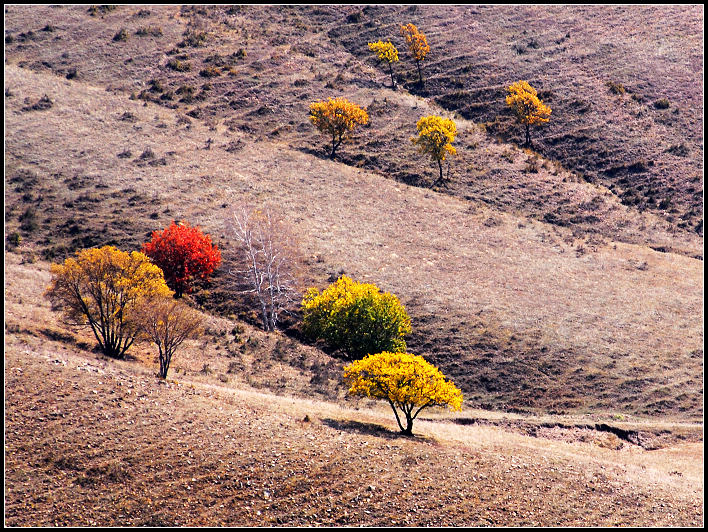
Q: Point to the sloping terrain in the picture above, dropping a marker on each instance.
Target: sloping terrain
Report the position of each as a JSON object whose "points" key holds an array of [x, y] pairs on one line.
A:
{"points": [[625, 86], [561, 288], [96, 442], [518, 313]]}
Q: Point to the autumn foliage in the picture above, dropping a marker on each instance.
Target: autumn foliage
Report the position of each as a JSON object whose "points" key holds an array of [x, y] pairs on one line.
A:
{"points": [[356, 317], [337, 118], [102, 287], [417, 46], [168, 323], [529, 109], [183, 253], [385, 51], [407, 382], [435, 137]]}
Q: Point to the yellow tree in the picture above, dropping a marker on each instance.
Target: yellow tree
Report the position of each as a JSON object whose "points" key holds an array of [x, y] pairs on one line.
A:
{"points": [[417, 46], [527, 106], [101, 287], [407, 382], [435, 137], [385, 51], [356, 317], [337, 118]]}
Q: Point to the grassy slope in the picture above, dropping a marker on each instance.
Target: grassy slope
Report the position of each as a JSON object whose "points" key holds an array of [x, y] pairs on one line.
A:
{"points": [[520, 313], [650, 157], [96, 442], [582, 318]]}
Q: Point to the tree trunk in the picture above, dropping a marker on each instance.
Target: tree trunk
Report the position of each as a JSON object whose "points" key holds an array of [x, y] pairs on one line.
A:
{"points": [[393, 82], [528, 135], [408, 431]]}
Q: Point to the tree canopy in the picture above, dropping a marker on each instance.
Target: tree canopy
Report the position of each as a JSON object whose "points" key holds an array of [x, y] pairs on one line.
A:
{"points": [[529, 109], [435, 137], [407, 382], [337, 118], [101, 287]]}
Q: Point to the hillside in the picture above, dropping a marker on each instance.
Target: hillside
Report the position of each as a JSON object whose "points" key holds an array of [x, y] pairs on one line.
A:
{"points": [[560, 287], [91, 441]]}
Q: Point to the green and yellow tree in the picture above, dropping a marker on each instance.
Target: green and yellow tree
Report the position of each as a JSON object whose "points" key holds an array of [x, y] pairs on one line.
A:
{"points": [[337, 118], [529, 109], [101, 287], [407, 382], [386, 51], [435, 137], [355, 317], [417, 46]]}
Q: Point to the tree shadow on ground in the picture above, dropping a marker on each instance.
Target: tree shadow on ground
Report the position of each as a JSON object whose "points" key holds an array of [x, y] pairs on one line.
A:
{"points": [[371, 429]]}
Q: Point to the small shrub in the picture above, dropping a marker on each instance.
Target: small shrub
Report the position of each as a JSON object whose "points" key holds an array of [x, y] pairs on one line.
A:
{"points": [[28, 220], [193, 39], [179, 66], [616, 88], [122, 35], [154, 31], [662, 103], [42, 104], [210, 72], [102, 9], [14, 239]]}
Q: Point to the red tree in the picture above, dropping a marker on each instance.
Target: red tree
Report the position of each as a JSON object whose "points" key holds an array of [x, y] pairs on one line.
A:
{"points": [[183, 253]]}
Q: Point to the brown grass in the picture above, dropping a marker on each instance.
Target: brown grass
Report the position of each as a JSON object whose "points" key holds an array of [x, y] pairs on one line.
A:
{"points": [[531, 280], [98, 442], [554, 321]]}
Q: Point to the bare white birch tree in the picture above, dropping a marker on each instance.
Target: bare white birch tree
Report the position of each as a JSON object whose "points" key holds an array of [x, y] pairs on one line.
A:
{"points": [[267, 260]]}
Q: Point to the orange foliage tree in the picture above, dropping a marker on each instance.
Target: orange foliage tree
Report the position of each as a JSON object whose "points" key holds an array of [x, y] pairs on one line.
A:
{"points": [[168, 323], [417, 46], [529, 109], [435, 137], [102, 288], [183, 253], [337, 118]]}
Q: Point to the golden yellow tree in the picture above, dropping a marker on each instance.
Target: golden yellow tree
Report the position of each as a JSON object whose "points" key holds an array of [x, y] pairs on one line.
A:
{"points": [[386, 51], [101, 287], [407, 382], [337, 118], [527, 106], [435, 137], [417, 46]]}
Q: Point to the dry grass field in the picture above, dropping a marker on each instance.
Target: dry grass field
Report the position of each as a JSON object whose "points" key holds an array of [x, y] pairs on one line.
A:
{"points": [[561, 288], [91, 441]]}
